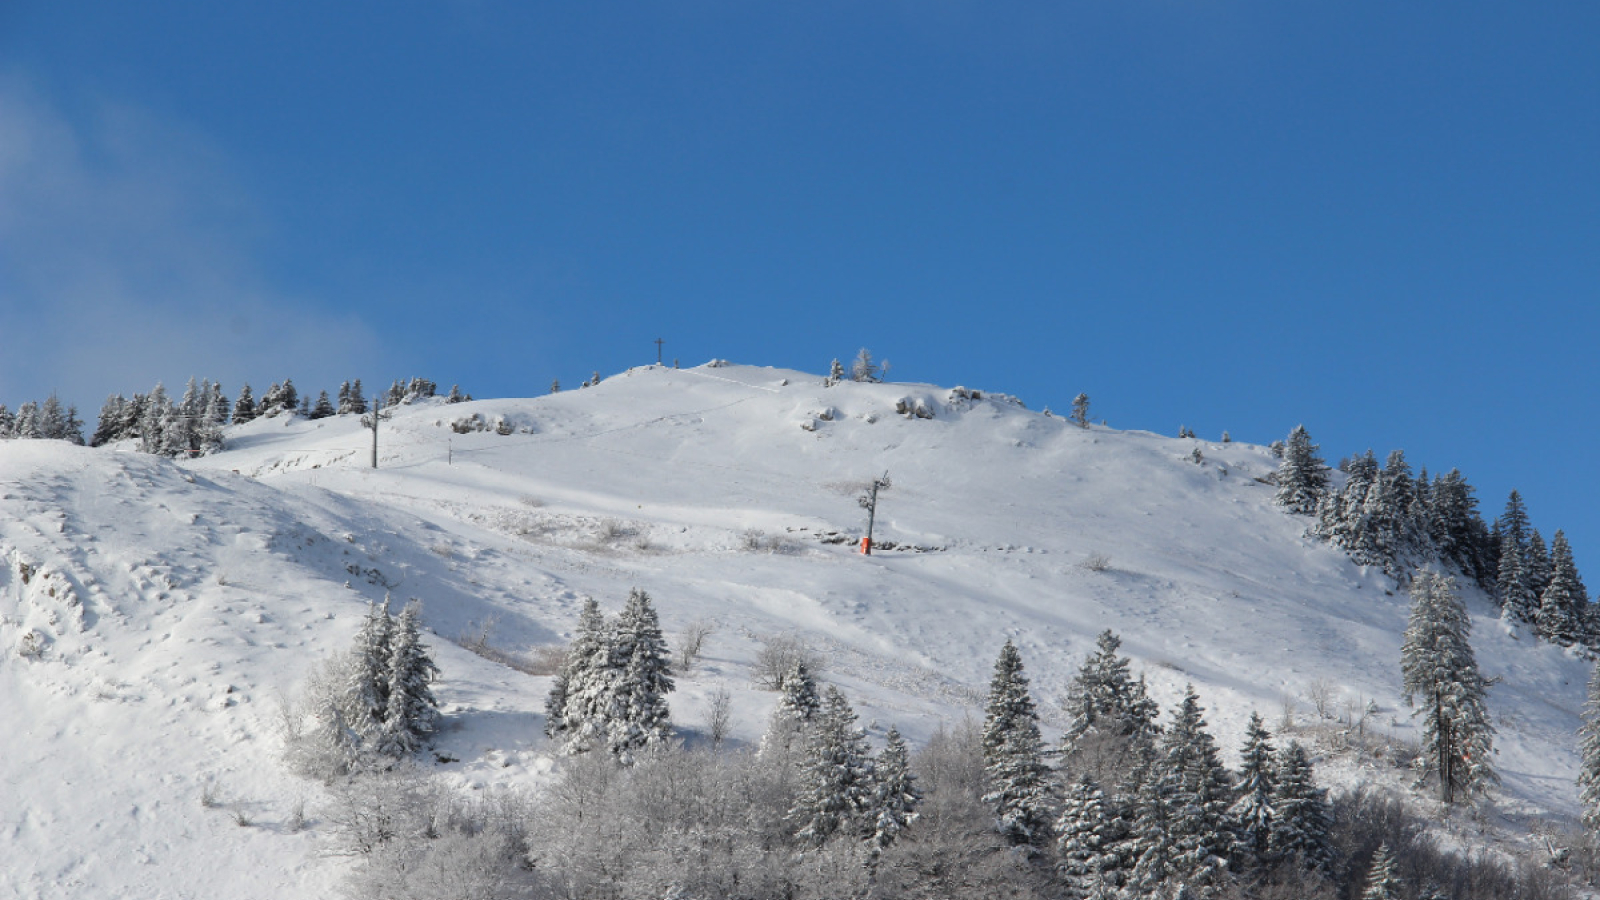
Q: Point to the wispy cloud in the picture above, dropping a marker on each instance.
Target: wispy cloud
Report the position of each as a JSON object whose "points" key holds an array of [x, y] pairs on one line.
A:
{"points": [[126, 258]]}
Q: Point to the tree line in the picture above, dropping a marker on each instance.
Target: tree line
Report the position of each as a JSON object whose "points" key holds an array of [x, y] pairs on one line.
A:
{"points": [[1387, 517]]}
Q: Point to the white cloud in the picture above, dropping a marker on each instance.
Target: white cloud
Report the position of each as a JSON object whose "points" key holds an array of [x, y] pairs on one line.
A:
{"points": [[125, 258]]}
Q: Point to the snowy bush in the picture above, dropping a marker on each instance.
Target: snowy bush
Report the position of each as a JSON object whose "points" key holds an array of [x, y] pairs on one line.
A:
{"points": [[779, 655]]}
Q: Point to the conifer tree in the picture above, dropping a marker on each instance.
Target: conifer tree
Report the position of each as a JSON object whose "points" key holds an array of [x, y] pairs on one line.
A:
{"points": [[152, 428], [1457, 530], [1103, 698], [1302, 820], [1086, 837], [8, 422], [1019, 789], [835, 373], [1150, 839], [411, 711], [895, 796], [1514, 522], [344, 398], [1563, 608], [1251, 812], [797, 710], [358, 402], [837, 779], [109, 426], [1302, 476], [244, 408], [367, 682], [1518, 603], [639, 716], [555, 386], [323, 407], [1536, 563], [1199, 794], [1080, 410], [1440, 672], [1382, 881], [583, 694], [1589, 755]]}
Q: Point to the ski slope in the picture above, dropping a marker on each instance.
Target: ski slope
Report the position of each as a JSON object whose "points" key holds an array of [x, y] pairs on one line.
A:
{"points": [[153, 614]]}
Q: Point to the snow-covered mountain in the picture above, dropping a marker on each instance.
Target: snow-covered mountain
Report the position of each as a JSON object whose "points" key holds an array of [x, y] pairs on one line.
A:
{"points": [[154, 614]]}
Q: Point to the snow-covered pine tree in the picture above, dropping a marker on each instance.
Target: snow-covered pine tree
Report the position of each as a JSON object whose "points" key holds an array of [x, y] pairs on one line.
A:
{"points": [[1589, 755], [836, 779], [1251, 812], [1518, 603], [1302, 476], [109, 426], [895, 796], [366, 689], [358, 402], [185, 438], [640, 717], [1302, 820], [27, 422], [288, 397], [323, 407], [864, 369], [8, 422], [1536, 562], [411, 711], [555, 386], [796, 711], [455, 395], [1439, 669], [1345, 517], [152, 428], [53, 419], [1019, 781], [1150, 836], [1564, 605], [835, 374], [1514, 522], [244, 408], [344, 398], [1112, 717], [1086, 837], [1383, 883], [1457, 530], [580, 688], [1080, 410], [213, 416], [1200, 792]]}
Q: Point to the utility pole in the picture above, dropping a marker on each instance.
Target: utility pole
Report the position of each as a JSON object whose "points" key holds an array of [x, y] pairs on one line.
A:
{"points": [[659, 342], [370, 420], [869, 502]]}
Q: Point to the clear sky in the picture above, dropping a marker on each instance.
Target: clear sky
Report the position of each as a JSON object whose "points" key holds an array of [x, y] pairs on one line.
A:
{"points": [[1379, 219]]}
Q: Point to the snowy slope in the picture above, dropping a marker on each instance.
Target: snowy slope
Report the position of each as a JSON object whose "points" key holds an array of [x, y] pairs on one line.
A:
{"points": [[188, 597]]}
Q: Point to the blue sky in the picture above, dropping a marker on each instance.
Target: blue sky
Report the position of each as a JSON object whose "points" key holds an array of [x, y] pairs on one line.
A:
{"points": [[1380, 220]]}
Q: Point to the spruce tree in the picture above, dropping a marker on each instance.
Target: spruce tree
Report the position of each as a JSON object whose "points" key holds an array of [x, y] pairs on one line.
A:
{"points": [[1518, 603], [1563, 607], [583, 690], [1302, 820], [1302, 476], [835, 373], [109, 427], [639, 716], [895, 796], [1457, 530], [1536, 562], [1440, 672], [1080, 410], [1382, 881], [863, 369], [1199, 794], [1251, 812], [8, 422], [411, 710], [323, 408], [244, 408], [1151, 839], [1589, 753], [797, 710], [366, 690], [1019, 789], [837, 779], [1103, 698], [1086, 837]]}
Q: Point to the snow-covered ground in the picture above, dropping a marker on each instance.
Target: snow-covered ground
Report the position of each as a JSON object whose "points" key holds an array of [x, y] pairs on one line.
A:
{"points": [[153, 614]]}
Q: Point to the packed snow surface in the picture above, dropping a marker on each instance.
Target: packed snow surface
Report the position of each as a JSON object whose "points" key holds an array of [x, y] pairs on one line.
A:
{"points": [[154, 614]]}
